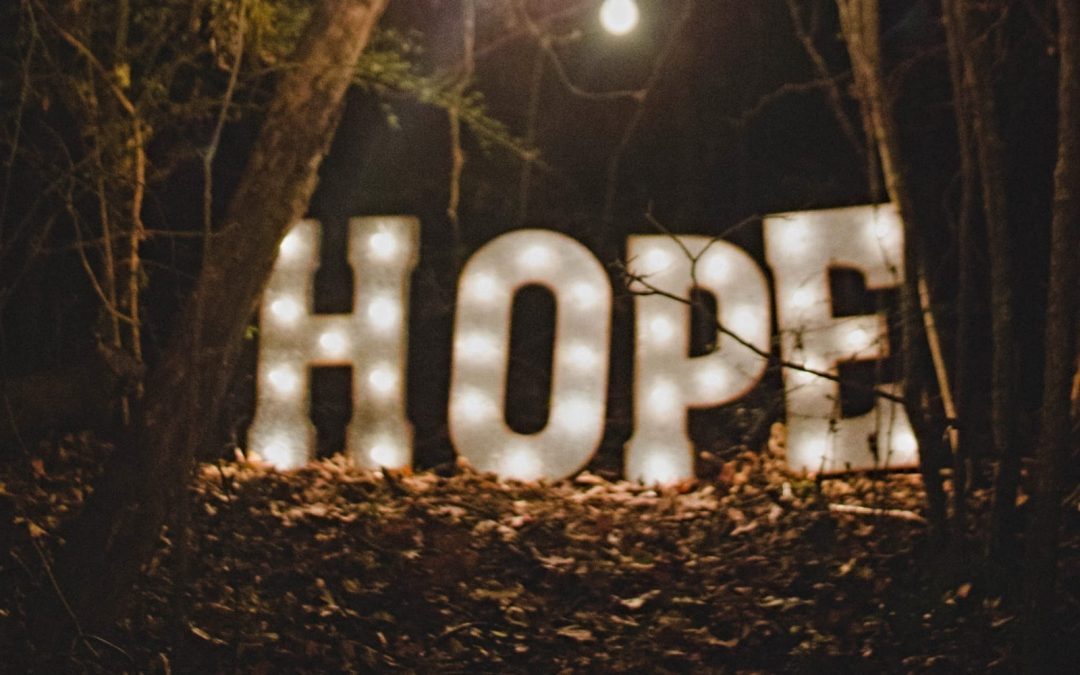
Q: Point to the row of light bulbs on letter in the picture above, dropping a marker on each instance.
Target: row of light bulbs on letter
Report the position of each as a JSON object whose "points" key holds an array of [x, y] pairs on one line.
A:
{"points": [[372, 339]]}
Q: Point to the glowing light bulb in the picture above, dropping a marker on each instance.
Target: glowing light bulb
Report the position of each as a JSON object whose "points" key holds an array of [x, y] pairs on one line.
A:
{"points": [[743, 322], [802, 298], [334, 343], [287, 310], [654, 261], [277, 452], [715, 269], [794, 234], [474, 406], [522, 464], [578, 413], [535, 256], [384, 312], [661, 329], [383, 245], [904, 443], [713, 380], [482, 286], [619, 17], [477, 347], [582, 356], [291, 246], [858, 339], [663, 398], [385, 454], [659, 469], [585, 295], [383, 379], [284, 380]]}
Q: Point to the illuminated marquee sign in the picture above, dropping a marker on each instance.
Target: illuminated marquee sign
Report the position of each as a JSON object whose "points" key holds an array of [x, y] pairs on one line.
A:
{"points": [[801, 248]]}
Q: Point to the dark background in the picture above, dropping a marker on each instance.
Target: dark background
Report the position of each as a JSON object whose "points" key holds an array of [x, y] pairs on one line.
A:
{"points": [[724, 138]]}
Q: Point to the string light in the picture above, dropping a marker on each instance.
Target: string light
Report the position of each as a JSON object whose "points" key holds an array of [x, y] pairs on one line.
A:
{"points": [[619, 17]]}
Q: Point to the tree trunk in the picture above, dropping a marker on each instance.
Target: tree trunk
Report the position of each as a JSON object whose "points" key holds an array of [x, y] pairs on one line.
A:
{"points": [[1052, 452], [967, 295], [861, 28], [976, 61], [120, 526]]}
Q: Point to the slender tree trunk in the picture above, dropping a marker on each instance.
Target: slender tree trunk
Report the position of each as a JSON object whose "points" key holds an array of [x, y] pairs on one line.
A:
{"points": [[967, 295], [1052, 452], [860, 23], [976, 59], [119, 530]]}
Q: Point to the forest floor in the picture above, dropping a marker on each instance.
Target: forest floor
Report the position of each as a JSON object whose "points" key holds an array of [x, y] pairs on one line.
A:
{"points": [[335, 569]]}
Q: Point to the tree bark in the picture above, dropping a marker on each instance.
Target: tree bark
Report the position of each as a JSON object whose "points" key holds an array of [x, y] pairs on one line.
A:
{"points": [[967, 297], [119, 529], [975, 60], [1052, 452], [860, 23]]}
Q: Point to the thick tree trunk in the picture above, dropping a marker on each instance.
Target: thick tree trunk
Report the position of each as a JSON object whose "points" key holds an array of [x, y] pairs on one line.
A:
{"points": [[119, 529], [860, 24], [1052, 452]]}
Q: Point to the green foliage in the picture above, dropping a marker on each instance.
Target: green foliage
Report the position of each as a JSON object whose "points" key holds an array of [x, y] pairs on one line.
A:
{"points": [[390, 68]]}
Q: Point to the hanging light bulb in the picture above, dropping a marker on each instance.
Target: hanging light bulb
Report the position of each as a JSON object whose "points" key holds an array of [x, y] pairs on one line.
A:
{"points": [[619, 17]]}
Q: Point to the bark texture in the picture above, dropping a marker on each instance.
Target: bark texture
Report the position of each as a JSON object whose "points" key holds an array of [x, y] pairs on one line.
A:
{"points": [[120, 528], [1052, 452], [860, 23], [969, 45]]}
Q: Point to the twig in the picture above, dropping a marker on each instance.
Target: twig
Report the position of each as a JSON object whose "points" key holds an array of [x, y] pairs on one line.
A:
{"points": [[854, 509]]}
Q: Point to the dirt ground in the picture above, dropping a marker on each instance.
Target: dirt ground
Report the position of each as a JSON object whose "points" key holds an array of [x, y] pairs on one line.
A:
{"points": [[333, 569]]}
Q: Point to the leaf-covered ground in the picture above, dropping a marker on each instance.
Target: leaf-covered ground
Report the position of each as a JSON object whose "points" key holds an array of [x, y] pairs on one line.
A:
{"points": [[334, 569]]}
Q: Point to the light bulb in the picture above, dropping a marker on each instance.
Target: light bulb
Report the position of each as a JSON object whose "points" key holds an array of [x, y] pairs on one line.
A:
{"points": [[586, 295], [477, 347], [385, 454], [382, 379], [482, 286], [287, 310], [658, 468], [656, 260], [522, 464], [277, 452], [858, 339], [582, 356], [619, 17], [284, 380], [661, 329], [333, 343], [802, 298], [716, 269], [383, 245], [535, 257], [291, 245], [474, 406], [384, 312]]}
